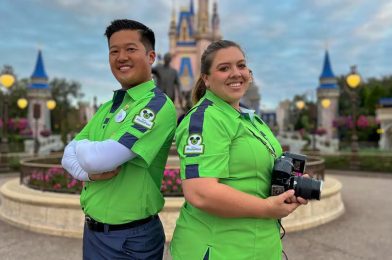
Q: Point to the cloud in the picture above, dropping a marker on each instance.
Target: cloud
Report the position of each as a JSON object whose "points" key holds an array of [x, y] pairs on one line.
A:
{"points": [[378, 26], [284, 41]]}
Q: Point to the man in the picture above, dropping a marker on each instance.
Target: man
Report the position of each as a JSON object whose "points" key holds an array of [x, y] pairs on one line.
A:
{"points": [[121, 154], [167, 78]]}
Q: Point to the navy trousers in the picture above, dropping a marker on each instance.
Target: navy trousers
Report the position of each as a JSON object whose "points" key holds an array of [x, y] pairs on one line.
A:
{"points": [[142, 242]]}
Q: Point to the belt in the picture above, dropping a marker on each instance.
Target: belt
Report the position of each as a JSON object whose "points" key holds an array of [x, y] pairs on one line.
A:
{"points": [[96, 226]]}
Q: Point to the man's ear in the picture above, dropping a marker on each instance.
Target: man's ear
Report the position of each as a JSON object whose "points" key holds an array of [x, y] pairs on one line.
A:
{"points": [[151, 57]]}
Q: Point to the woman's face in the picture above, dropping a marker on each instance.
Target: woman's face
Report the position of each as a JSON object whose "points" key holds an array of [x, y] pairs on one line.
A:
{"points": [[229, 76]]}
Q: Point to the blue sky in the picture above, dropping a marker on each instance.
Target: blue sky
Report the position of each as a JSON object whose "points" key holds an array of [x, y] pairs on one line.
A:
{"points": [[284, 40]]}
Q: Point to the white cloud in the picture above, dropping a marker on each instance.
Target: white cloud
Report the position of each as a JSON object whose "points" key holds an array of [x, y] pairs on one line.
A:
{"points": [[378, 26]]}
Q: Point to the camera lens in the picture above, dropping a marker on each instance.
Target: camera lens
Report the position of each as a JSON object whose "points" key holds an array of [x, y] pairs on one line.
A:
{"points": [[307, 188]]}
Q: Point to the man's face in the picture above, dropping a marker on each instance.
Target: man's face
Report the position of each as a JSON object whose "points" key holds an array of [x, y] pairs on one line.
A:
{"points": [[129, 61]]}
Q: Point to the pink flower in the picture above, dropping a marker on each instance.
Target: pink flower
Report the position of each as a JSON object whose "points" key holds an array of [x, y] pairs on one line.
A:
{"points": [[362, 121]]}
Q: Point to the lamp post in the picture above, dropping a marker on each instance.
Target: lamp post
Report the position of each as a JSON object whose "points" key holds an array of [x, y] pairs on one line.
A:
{"points": [[7, 79], [353, 80]]}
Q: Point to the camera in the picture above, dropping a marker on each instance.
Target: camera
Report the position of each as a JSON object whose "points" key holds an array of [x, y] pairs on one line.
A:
{"points": [[287, 174]]}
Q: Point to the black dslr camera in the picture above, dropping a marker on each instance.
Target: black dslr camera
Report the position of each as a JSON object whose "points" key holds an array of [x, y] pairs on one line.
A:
{"points": [[287, 174]]}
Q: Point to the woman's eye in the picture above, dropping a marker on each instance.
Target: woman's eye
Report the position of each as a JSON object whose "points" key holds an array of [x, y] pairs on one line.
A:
{"points": [[242, 66], [225, 68]]}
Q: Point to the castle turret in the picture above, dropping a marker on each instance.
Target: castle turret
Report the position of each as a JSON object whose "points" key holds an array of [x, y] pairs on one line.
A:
{"points": [[172, 32], [39, 78], [203, 28], [327, 98], [215, 23], [38, 93]]}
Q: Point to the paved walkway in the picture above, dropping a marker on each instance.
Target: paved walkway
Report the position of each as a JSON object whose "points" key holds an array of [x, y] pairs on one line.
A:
{"points": [[363, 232]]}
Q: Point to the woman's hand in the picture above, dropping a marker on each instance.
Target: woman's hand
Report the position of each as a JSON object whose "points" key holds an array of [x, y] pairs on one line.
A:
{"points": [[282, 205], [294, 199], [104, 175]]}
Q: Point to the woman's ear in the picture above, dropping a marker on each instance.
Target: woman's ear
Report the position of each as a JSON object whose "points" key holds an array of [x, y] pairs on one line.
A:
{"points": [[206, 81]]}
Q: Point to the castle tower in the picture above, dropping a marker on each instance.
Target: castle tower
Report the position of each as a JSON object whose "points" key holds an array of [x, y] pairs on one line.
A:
{"points": [[215, 21], [203, 28], [327, 92], [172, 32], [203, 34], [38, 94]]}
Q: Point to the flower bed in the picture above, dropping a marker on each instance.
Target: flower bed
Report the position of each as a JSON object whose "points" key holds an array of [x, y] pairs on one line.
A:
{"points": [[171, 183], [56, 179]]}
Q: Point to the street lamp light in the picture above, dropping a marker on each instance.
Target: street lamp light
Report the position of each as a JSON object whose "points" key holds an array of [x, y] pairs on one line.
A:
{"points": [[353, 80], [22, 103], [7, 79]]}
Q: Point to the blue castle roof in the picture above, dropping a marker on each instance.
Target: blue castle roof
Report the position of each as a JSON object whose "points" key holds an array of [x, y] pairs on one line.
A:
{"points": [[327, 70], [39, 78], [327, 77]]}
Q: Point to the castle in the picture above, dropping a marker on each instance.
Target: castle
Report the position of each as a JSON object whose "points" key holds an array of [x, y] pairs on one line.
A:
{"points": [[189, 37]]}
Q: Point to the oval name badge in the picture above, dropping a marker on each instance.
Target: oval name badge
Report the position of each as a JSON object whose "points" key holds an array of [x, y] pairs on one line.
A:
{"points": [[120, 116]]}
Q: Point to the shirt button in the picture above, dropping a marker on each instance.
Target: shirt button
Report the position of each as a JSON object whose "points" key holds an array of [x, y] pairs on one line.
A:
{"points": [[85, 188]]}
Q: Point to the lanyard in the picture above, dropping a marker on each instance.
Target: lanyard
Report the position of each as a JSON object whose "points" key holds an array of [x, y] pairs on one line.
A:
{"points": [[265, 142]]}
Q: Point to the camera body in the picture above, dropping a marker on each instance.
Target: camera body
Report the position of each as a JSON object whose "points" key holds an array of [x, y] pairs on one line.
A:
{"points": [[287, 174]]}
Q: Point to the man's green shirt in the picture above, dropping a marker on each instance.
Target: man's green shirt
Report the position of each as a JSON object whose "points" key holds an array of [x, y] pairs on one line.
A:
{"points": [[143, 119]]}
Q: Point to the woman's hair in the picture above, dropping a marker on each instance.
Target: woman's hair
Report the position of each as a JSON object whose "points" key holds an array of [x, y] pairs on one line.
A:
{"points": [[205, 65]]}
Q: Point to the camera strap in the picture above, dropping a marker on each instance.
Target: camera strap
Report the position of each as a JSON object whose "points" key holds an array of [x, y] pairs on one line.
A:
{"points": [[265, 142], [268, 145]]}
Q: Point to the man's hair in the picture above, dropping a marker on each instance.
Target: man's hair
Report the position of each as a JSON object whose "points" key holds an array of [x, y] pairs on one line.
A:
{"points": [[147, 36]]}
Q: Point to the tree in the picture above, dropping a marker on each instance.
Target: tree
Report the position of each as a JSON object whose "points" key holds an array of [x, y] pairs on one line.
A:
{"points": [[63, 92]]}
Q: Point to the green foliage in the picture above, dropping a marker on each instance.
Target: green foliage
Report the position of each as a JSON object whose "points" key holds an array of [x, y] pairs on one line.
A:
{"points": [[369, 93], [367, 162], [65, 116], [14, 163]]}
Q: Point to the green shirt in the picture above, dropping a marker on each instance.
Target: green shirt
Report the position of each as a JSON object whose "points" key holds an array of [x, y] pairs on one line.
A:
{"points": [[143, 119], [215, 140]]}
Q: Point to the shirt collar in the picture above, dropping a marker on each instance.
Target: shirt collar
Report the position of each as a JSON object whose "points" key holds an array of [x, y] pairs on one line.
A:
{"points": [[221, 104], [248, 112], [139, 91]]}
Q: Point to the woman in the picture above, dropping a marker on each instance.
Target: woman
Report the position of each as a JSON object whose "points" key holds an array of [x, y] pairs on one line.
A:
{"points": [[227, 154]]}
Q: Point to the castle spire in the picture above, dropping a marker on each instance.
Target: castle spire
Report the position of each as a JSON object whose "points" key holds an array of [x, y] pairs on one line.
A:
{"points": [[203, 29], [191, 9], [327, 77], [39, 78], [215, 21], [172, 31]]}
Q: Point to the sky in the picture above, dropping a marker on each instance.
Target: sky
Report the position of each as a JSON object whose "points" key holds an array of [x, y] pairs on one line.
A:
{"points": [[284, 41]]}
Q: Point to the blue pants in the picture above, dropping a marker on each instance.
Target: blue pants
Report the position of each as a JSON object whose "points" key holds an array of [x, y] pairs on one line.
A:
{"points": [[142, 242]]}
